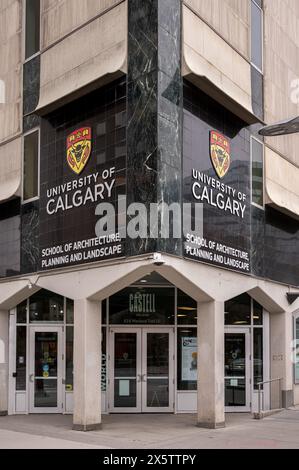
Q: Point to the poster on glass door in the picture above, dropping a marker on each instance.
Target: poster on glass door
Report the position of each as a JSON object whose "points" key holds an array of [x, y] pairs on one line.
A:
{"points": [[189, 359]]}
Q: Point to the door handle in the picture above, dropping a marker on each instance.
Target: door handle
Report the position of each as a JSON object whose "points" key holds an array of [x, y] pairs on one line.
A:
{"points": [[31, 377], [139, 378], [143, 378]]}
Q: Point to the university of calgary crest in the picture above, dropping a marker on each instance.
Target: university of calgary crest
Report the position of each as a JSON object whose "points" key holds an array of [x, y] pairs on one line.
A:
{"points": [[79, 149], [220, 153]]}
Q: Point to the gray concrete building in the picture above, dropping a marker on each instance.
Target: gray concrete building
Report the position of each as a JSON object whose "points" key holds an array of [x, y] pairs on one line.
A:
{"points": [[113, 112]]}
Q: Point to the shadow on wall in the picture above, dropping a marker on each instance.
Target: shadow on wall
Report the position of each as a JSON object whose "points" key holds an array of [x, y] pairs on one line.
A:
{"points": [[2, 92], [2, 352]]}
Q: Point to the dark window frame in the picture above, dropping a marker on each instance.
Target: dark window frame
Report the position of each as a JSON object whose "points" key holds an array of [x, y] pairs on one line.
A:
{"points": [[37, 182]]}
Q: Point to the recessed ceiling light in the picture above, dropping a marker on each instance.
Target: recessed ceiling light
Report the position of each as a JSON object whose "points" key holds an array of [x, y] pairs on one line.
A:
{"points": [[187, 309]]}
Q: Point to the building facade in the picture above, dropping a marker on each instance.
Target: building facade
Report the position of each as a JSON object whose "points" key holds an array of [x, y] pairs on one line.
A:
{"points": [[148, 234]]}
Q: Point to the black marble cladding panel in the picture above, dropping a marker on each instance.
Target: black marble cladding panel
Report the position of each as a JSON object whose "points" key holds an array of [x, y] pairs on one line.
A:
{"points": [[30, 237], [10, 238], [31, 85], [103, 110], [154, 111]]}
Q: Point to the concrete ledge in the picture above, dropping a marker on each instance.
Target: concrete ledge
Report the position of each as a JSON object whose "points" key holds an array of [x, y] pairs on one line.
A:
{"points": [[87, 427], [211, 425], [265, 414]]}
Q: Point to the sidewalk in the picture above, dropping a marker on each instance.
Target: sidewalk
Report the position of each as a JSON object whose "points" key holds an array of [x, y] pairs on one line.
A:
{"points": [[280, 431]]}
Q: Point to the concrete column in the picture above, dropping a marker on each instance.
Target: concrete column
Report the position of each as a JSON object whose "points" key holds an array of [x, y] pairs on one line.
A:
{"points": [[87, 365], [281, 365], [4, 323], [210, 327]]}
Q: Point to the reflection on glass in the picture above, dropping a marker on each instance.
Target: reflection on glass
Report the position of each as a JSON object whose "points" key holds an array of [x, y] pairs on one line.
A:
{"points": [[157, 393], [69, 346], [21, 358], [257, 356], [157, 370], [157, 354], [46, 306], [257, 313], [257, 157], [238, 310], [45, 394], [69, 311], [187, 359], [125, 370], [235, 369], [104, 312], [22, 312], [186, 309]]}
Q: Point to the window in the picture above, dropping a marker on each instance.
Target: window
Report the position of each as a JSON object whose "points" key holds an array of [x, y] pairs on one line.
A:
{"points": [[257, 34], [187, 359], [45, 306], [186, 309], [238, 311], [30, 166], [32, 28], [258, 351], [257, 172], [21, 359]]}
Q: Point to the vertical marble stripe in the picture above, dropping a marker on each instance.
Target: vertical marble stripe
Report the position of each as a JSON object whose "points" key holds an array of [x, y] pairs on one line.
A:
{"points": [[154, 133]]}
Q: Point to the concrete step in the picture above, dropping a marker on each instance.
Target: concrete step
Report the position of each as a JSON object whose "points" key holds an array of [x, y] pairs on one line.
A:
{"points": [[265, 414]]}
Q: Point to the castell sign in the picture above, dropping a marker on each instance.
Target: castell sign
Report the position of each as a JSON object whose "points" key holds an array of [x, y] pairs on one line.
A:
{"points": [[142, 303]]}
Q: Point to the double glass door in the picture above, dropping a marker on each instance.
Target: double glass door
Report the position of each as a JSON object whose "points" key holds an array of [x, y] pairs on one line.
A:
{"points": [[141, 365], [237, 369], [45, 370]]}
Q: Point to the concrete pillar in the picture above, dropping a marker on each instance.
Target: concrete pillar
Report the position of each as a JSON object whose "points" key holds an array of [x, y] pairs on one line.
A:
{"points": [[4, 323], [210, 326], [87, 365], [281, 365]]}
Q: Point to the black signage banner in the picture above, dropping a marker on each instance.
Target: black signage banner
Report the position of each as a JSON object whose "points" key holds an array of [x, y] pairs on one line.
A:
{"points": [[217, 176], [83, 165]]}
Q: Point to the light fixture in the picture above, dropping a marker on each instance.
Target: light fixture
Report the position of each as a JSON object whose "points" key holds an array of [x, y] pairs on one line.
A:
{"points": [[187, 309], [144, 281], [286, 127], [181, 316], [29, 285]]}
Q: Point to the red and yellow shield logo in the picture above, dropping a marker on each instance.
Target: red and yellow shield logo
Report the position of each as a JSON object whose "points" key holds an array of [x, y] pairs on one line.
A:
{"points": [[79, 149], [220, 153]]}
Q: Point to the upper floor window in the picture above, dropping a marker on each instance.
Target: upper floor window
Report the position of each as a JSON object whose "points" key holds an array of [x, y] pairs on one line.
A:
{"points": [[31, 166], [257, 172], [32, 27], [257, 34]]}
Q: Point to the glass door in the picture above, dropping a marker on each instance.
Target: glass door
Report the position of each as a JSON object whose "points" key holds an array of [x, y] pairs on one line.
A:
{"points": [[157, 376], [237, 370], [45, 370], [125, 379], [141, 370]]}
